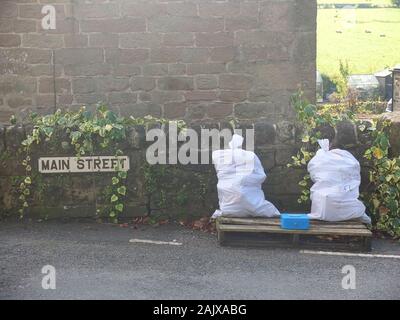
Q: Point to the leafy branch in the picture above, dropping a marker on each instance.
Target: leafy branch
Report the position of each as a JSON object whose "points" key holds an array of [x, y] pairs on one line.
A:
{"points": [[83, 131], [384, 174]]}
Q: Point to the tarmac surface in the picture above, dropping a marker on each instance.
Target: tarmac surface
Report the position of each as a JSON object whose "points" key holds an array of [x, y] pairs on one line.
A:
{"points": [[97, 261]]}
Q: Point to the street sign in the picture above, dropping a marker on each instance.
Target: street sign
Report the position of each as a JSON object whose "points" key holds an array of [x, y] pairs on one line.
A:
{"points": [[83, 164]]}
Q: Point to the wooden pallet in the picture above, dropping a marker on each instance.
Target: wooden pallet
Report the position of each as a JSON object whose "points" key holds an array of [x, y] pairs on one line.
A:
{"points": [[338, 236]]}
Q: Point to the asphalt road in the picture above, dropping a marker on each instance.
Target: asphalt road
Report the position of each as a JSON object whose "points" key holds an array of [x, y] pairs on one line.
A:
{"points": [[96, 261]]}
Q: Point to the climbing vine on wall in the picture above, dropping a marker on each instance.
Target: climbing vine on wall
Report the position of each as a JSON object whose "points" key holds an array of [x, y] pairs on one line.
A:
{"points": [[85, 132], [312, 119], [383, 196], [384, 176]]}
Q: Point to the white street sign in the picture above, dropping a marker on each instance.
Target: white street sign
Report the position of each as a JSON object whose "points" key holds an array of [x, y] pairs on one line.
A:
{"points": [[83, 164]]}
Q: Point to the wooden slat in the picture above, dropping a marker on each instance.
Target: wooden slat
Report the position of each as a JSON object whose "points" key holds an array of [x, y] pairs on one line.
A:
{"points": [[347, 235], [276, 229], [353, 247], [267, 220], [276, 222]]}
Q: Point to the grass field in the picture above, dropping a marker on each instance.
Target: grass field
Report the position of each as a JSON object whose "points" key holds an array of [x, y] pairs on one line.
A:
{"points": [[342, 36], [381, 2]]}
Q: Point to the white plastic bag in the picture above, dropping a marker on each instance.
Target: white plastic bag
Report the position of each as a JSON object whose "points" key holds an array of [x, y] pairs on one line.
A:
{"points": [[336, 176], [240, 176]]}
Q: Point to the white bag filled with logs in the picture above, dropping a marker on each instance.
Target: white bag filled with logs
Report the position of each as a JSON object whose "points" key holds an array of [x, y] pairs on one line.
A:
{"points": [[240, 177], [336, 176]]}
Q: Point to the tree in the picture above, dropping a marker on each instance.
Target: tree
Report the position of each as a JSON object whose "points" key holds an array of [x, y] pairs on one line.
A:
{"points": [[396, 3]]}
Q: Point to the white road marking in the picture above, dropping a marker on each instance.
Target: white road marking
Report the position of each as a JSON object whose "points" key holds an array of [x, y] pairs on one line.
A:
{"points": [[172, 243], [345, 254]]}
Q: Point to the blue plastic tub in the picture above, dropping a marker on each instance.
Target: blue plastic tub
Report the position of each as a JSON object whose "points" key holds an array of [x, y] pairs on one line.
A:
{"points": [[294, 221]]}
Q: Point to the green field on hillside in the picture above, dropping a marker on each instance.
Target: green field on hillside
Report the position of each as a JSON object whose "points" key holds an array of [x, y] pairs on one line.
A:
{"points": [[380, 2], [369, 39]]}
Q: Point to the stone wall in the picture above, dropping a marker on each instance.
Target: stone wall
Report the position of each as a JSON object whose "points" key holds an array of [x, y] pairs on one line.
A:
{"points": [[178, 190], [191, 59], [396, 88], [204, 61]]}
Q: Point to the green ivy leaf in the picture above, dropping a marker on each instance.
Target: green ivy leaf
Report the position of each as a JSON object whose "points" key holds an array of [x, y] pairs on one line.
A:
{"points": [[122, 174], [303, 183], [115, 180], [13, 120], [102, 132], [114, 198], [119, 207], [65, 144], [75, 135], [309, 110], [28, 180], [384, 141], [122, 190], [111, 116], [305, 139], [48, 131]]}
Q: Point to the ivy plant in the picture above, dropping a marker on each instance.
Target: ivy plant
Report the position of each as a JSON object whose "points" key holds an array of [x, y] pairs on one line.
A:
{"points": [[383, 195], [312, 119], [85, 132], [384, 178]]}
